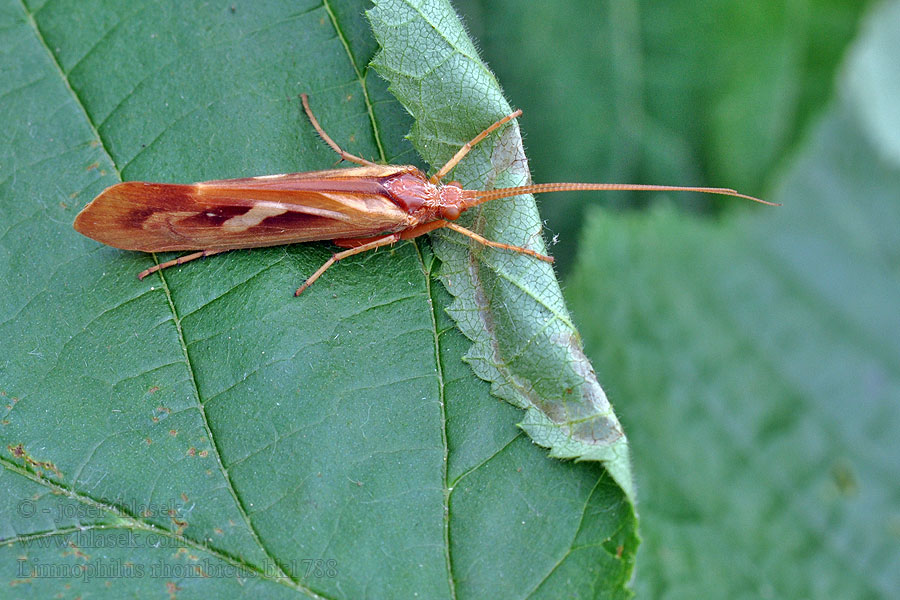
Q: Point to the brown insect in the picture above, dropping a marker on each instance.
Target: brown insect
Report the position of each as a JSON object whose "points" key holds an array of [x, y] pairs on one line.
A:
{"points": [[360, 208]]}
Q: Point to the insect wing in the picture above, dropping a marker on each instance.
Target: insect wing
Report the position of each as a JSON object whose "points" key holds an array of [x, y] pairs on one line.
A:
{"points": [[244, 213]]}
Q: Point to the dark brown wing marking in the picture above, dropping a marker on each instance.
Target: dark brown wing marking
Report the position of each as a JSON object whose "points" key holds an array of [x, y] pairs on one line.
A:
{"points": [[244, 213]]}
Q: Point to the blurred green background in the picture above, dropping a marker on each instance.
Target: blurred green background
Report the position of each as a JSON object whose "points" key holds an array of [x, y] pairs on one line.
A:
{"points": [[753, 354], [686, 92]]}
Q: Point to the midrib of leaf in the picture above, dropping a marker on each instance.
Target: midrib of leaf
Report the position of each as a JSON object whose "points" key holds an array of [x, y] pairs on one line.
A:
{"points": [[439, 369], [281, 576], [209, 433]]}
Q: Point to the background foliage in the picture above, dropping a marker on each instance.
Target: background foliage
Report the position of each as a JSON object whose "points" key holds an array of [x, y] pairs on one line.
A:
{"points": [[689, 92], [751, 354]]}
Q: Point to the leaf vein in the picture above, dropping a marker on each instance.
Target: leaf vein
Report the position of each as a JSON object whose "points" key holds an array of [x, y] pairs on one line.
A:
{"points": [[439, 368], [359, 76], [280, 573]]}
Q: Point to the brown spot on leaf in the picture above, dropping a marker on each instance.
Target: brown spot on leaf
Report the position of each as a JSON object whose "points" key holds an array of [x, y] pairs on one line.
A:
{"points": [[171, 588], [93, 166], [74, 550], [39, 466], [180, 525], [153, 390]]}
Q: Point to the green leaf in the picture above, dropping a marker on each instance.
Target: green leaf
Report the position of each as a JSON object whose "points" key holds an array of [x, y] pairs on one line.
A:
{"points": [[757, 363], [202, 433], [508, 304]]}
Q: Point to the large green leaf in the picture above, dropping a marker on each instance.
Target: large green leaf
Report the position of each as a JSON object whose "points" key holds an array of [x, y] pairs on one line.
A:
{"points": [[202, 433], [757, 362]]}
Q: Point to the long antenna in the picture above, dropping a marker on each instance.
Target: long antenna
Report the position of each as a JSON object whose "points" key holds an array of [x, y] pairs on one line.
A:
{"points": [[481, 197]]}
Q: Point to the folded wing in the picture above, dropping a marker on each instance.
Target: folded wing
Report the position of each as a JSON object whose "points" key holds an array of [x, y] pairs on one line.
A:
{"points": [[244, 213]]}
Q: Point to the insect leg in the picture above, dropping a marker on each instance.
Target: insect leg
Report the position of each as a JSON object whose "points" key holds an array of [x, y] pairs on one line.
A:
{"points": [[382, 241], [488, 242], [423, 229], [404, 235], [469, 145], [431, 226], [327, 138], [177, 261]]}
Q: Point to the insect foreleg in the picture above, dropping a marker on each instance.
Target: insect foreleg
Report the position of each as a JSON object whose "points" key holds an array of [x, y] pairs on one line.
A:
{"points": [[439, 223], [487, 242]]}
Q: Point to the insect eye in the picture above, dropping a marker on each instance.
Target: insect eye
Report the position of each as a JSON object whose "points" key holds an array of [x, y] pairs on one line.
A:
{"points": [[450, 212]]}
